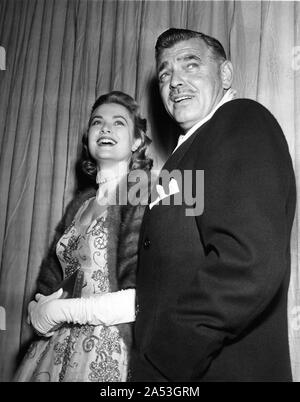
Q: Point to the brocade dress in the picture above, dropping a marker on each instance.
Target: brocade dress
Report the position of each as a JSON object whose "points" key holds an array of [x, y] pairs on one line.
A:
{"points": [[80, 352]]}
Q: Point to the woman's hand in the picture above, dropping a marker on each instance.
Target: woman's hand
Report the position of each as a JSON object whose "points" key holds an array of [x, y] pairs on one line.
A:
{"points": [[43, 313], [103, 309]]}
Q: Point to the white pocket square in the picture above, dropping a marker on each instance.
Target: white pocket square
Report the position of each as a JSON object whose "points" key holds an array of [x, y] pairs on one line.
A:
{"points": [[173, 189]]}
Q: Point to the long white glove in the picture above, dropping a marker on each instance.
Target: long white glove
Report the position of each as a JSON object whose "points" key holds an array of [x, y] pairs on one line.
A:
{"points": [[107, 309], [37, 310]]}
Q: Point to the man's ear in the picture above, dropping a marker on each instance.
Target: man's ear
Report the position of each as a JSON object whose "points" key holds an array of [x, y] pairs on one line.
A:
{"points": [[226, 69]]}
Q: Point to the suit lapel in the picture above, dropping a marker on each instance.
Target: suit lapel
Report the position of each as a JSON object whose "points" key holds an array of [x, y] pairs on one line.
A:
{"points": [[173, 162], [178, 155]]}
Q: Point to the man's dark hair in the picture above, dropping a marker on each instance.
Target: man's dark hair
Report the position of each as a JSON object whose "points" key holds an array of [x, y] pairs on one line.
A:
{"points": [[174, 35]]}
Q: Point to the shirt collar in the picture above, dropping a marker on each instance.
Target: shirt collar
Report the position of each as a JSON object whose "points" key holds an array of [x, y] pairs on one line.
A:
{"points": [[228, 96]]}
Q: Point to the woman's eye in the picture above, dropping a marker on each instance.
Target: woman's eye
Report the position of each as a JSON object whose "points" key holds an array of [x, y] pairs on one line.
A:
{"points": [[119, 123], [95, 122]]}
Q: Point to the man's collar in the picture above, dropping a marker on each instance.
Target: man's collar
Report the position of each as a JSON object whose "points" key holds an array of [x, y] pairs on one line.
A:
{"points": [[228, 96]]}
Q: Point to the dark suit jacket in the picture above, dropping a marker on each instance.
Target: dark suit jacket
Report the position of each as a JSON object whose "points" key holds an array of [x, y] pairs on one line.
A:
{"points": [[212, 289]]}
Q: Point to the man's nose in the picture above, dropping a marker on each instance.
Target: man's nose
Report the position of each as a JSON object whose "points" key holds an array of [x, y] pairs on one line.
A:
{"points": [[176, 79]]}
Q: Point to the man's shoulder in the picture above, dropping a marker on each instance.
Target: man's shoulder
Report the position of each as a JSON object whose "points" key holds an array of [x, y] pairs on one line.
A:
{"points": [[240, 124], [243, 107], [245, 115]]}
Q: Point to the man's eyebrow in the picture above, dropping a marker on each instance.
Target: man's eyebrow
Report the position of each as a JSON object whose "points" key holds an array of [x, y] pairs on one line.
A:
{"points": [[188, 57], [185, 57], [162, 66]]}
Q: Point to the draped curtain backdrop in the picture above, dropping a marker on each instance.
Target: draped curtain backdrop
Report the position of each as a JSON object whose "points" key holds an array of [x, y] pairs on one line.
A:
{"points": [[60, 55]]}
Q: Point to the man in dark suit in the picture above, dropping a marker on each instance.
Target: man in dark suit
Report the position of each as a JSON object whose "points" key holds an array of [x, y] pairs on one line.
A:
{"points": [[212, 286]]}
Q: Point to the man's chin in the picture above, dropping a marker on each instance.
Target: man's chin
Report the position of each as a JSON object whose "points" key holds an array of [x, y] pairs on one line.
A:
{"points": [[184, 122]]}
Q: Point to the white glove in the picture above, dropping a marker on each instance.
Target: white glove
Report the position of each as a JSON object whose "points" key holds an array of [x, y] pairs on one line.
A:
{"points": [[38, 312], [106, 309]]}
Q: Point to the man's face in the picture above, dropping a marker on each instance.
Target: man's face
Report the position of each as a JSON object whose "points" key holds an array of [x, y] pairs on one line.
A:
{"points": [[190, 81]]}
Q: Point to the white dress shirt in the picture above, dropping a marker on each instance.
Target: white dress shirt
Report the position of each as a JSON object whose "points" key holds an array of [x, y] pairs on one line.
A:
{"points": [[229, 95]]}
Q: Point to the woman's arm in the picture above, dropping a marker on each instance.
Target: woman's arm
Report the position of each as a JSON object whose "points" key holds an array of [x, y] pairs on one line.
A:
{"points": [[106, 309]]}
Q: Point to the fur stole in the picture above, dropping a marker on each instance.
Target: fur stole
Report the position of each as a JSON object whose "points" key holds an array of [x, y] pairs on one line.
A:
{"points": [[123, 224]]}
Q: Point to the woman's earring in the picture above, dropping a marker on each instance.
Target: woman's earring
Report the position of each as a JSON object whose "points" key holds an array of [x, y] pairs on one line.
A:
{"points": [[136, 145]]}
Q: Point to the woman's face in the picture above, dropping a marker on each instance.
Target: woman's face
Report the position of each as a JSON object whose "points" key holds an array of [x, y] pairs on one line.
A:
{"points": [[111, 134]]}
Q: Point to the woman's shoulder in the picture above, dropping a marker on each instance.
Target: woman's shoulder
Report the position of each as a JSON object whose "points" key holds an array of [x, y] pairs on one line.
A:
{"points": [[78, 200], [83, 195]]}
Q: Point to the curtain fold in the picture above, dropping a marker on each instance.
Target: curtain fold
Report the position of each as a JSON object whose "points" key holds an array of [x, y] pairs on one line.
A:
{"points": [[61, 55]]}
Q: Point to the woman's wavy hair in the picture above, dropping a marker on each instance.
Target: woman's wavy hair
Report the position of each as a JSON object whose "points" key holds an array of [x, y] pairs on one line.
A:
{"points": [[139, 159]]}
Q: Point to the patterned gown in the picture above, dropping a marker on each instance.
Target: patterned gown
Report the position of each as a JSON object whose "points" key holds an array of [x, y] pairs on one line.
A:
{"points": [[80, 352]]}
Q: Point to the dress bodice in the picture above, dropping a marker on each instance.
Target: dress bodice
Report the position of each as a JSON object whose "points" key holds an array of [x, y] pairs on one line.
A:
{"points": [[84, 247]]}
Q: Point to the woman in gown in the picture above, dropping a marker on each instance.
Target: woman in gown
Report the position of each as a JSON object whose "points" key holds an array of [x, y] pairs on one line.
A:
{"points": [[88, 338]]}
